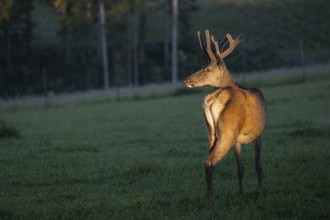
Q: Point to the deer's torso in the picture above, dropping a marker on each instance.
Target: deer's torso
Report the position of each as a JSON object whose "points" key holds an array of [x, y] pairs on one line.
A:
{"points": [[237, 111]]}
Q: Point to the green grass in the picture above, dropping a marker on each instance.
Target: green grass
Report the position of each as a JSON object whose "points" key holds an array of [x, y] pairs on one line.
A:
{"points": [[143, 159]]}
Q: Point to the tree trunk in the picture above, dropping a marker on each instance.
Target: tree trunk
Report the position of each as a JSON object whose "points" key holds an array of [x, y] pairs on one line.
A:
{"points": [[104, 48], [64, 33], [167, 28], [142, 24], [129, 50], [135, 51], [7, 52], [29, 26], [175, 15]]}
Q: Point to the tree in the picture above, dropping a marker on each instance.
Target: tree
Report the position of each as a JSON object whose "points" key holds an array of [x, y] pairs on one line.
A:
{"points": [[62, 8], [167, 35], [135, 50], [5, 7], [104, 46], [15, 48], [175, 15], [77, 19], [142, 27]]}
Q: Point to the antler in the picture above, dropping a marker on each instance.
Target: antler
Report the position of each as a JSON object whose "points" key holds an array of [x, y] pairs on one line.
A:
{"points": [[223, 43], [208, 46], [216, 44], [201, 44], [232, 44], [220, 54], [207, 52]]}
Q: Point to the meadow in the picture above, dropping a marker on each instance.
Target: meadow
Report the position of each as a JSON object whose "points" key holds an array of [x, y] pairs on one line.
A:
{"points": [[143, 159]]}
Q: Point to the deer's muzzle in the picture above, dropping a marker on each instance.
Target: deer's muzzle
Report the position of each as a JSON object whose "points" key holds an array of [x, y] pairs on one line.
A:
{"points": [[187, 82]]}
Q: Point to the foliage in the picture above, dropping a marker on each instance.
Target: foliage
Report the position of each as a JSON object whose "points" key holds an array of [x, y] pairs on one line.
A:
{"points": [[144, 159], [5, 6]]}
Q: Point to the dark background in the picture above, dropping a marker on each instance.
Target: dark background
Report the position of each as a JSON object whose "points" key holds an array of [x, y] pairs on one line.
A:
{"points": [[54, 45]]}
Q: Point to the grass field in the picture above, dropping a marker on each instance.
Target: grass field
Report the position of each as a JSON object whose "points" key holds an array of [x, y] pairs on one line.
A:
{"points": [[143, 159]]}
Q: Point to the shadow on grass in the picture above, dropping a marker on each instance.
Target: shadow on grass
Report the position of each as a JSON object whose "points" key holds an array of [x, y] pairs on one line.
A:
{"points": [[8, 130]]}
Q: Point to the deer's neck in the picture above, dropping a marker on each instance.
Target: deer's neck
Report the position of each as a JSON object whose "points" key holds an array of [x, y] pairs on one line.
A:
{"points": [[227, 80]]}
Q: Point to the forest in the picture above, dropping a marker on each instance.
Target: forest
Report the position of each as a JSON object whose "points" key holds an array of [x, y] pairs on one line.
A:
{"points": [[64, 46]]}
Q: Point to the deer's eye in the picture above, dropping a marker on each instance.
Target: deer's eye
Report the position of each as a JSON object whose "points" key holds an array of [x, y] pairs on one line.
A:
{"points": [[207, 69]]}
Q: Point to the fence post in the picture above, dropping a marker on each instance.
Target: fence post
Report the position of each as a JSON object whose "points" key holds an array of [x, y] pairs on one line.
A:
{"points": [[44, 83]]}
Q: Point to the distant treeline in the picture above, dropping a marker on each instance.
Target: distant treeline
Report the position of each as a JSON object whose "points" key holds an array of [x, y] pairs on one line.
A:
{"points": [[278, 33]]}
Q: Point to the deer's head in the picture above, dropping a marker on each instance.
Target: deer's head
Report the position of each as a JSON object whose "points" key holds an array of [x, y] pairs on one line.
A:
{"points": [[215, 73]]}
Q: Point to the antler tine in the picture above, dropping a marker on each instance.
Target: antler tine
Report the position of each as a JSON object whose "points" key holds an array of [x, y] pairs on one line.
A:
{"points": [[232, 44], [223, 43], [208, 46], [216, 44], [201, 44]]}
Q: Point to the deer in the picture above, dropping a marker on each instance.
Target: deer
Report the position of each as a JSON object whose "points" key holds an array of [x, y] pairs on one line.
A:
{"points": [[234, 115]]}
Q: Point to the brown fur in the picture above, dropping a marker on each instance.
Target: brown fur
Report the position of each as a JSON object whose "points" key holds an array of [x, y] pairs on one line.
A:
{"points": [[234, 115]]}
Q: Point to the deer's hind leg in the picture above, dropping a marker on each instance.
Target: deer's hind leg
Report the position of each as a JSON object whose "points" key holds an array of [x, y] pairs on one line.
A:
{"points": [[257, 149], [221, 148], [240, 166], [220, 137]]}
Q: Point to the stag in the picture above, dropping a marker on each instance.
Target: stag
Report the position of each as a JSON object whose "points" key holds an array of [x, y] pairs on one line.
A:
{"points": [[234, 115]]}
